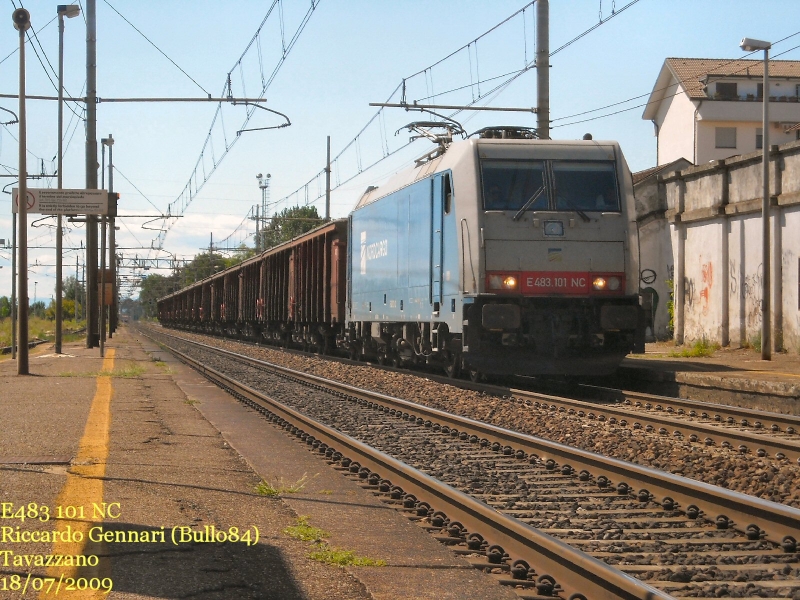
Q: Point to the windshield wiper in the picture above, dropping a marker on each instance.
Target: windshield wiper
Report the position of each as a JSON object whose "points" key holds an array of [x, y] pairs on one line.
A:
{"points": [[530, 201], [572, 205]]}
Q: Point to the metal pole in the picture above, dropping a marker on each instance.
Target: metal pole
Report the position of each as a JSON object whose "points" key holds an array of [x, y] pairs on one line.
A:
{"points": [[77, 288], [112, 241], [22, 22], [14, 285], [258, 241], [91, 173], [328, 183], [543, 69], [102, 300], [766, 330], [60, 167]]}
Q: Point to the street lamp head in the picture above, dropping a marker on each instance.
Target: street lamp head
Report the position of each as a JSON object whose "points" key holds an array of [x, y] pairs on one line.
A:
{"points": [[68, 10], [109, 141], [22, 19], [751, 45]]}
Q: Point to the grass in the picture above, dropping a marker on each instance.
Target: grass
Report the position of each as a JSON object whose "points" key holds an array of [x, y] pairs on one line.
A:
{"points": [[699, 349], [279, 487], [305, 532], [128, 372], [43, 329], [325, 553], [755, 342]]}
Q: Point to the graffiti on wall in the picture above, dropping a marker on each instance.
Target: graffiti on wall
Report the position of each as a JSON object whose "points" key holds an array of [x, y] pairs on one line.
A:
{"points": [[751, 292], [707, 271], [733, 277]]}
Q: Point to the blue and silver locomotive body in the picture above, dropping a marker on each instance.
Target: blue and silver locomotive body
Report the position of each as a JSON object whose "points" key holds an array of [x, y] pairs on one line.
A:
{"points": [[506, 256], [498, 254]]}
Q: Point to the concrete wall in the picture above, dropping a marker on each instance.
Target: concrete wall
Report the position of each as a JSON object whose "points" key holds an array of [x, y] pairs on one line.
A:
{"points": [[714, 212], [655, 249]]}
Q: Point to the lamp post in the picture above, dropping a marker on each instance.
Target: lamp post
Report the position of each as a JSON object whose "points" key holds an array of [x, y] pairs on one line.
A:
{"points": [[263, 184], [750, 45], [69, 11]]}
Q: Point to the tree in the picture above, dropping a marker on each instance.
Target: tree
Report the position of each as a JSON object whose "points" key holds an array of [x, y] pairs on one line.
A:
{"points": [[67, 310], [289, 223], [154, 287], [5, 307], [73, 287], [37, 309]]}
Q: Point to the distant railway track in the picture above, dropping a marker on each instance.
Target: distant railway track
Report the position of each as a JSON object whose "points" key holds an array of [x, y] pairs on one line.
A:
{"points": [[562, 514]]}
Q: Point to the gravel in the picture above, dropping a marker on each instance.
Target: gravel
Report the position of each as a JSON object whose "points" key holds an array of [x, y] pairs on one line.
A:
{"points": [[767, 478]]}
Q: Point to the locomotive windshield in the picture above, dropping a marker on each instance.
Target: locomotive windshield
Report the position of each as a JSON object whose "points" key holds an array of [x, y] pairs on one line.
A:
{"points": [[509, 184], [585, 186], [577, 186]]}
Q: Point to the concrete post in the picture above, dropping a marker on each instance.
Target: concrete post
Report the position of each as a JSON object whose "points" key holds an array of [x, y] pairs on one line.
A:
{"points": [[543, 69], [680, 265]]}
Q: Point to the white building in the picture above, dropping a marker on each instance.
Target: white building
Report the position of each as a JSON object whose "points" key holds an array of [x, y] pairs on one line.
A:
{"points": [[709, 109]]}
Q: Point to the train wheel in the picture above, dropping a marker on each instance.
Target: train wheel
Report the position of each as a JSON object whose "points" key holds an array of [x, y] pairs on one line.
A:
{"points": [[452, 367], [475, 376]]}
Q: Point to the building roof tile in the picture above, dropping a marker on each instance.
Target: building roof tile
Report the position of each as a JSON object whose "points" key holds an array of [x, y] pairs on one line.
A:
{"points": [[693, 73]]}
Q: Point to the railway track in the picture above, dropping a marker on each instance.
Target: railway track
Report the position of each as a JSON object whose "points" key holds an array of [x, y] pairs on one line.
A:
{"points": [[549, 519], [760, 433]]}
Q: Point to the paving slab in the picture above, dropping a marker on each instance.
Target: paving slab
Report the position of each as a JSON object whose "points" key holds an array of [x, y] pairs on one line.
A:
{"points": [[158, 464]]}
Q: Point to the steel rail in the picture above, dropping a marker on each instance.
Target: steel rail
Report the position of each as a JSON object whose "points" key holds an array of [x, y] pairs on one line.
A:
{"points": [[768, 420], [577, 573], [762, 443], [775, 521]]}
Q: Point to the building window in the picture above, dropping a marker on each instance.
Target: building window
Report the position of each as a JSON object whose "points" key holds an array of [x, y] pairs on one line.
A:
{"points": [[759, 90], [725, 137], [759, 138], [727, 90]]}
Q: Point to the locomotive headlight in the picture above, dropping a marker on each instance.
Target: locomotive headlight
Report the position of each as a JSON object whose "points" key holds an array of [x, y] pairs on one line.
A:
{"points": [[600, 283], [501, 281], [613, 283]]}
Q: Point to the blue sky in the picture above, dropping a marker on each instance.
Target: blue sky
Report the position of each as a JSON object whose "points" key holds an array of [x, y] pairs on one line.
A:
{"points": [[351, 53]]}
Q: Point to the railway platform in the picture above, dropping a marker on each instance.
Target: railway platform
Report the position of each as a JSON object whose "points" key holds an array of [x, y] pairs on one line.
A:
{"points": [[736, 376], [133, 473]]}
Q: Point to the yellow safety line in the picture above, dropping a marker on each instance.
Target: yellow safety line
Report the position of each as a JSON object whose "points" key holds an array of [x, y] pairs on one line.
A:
{"points": [[84, 487]]}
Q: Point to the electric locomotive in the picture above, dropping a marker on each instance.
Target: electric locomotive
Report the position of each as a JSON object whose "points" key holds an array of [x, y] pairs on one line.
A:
{"points": [[498, 254]]}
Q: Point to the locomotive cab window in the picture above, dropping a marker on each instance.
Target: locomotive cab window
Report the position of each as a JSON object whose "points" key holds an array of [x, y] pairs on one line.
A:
{"points": [[448, 194], [509, 184], [585, 186]]}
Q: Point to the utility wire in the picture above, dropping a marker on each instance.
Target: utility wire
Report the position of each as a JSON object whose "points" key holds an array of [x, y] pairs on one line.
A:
{"points": [[676, 93], [192, 188], [722, 64], [492, 92], [136, 188], [156, 47]]}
